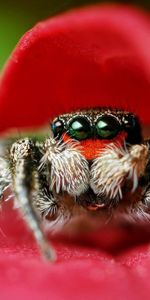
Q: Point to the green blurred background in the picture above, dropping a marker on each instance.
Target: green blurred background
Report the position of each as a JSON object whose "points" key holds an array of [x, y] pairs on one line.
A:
{"points": [[17, 16]]}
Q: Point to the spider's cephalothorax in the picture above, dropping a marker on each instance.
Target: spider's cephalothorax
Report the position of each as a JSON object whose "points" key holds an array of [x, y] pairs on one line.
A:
{"points": [[95, 163]]}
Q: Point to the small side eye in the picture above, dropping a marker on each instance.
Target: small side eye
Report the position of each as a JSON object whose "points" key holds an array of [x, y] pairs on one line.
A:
{"points": [[57, 128], [79, 128], [133, 128], [107, 127]]}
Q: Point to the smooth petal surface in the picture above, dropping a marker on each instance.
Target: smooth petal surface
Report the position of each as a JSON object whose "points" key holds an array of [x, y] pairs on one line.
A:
{"points": [[84, 270], [94, 56]]}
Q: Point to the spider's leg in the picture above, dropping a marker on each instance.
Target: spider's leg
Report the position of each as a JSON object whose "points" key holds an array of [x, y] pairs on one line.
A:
{"points": [[25, 182], [5, 177], [44, 200], [5, 174], [140, 208], [145, 181]]}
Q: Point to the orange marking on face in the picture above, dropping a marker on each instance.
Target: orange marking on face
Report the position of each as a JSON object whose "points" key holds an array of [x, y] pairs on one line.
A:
{"points": [[91, 147]]}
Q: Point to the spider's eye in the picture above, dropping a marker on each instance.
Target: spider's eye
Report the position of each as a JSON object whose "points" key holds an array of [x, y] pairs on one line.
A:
{"points": [[133, 128], [57, 128], [107, 127], [79, 128]]}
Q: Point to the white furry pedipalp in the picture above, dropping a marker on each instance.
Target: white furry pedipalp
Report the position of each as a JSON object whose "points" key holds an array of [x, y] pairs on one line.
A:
{"points": [[116, 164], [69, 170]]}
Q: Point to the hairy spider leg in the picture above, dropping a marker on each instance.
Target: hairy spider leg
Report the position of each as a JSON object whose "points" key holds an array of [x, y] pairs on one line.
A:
{"points": [[25, 181]]}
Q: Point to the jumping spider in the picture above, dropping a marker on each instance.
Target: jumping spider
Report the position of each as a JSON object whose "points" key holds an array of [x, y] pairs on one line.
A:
{"points": [[94, 158]]}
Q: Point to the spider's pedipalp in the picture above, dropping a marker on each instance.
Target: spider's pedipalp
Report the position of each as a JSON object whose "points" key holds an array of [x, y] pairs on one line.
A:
{"points": [[114, 166], [25, 184], [68, 169]]}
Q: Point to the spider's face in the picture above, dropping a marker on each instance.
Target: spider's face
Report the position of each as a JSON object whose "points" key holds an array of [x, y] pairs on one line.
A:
{"points": [[96, 128]]}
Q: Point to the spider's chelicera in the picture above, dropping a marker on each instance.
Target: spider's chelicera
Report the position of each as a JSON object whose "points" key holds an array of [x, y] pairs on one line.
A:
{"points": [[95, 164]]}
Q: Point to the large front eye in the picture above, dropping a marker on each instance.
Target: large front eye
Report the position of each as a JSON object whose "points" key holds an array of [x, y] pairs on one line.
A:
{"points": [[107, 127], [79, 128], [57, 128]]}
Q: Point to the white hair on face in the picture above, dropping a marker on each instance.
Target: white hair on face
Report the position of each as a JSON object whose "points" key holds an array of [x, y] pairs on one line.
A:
{"points": [[69, 170], [114, 165]]}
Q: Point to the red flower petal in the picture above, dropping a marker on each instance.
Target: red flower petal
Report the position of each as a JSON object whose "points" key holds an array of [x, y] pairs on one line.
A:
{"points": [[93, 56], [81, 272]]}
